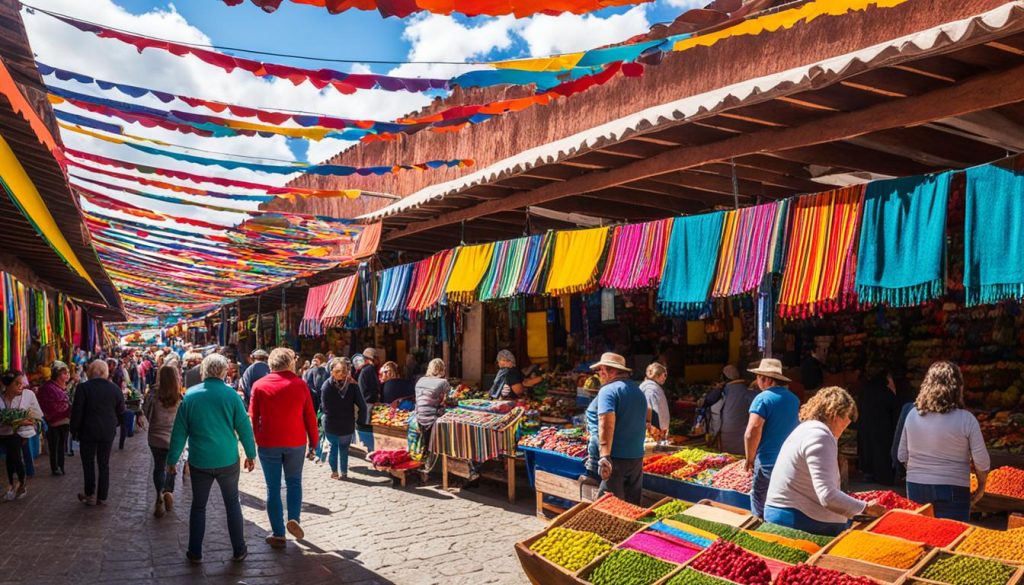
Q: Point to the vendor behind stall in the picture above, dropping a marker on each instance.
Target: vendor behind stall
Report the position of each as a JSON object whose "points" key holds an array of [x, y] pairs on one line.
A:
{"points": [[617, 421], [736, 397], [804, 490], [508, 382]]}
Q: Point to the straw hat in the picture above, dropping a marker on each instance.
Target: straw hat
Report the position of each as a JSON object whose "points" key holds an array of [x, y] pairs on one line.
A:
{"points": [[770, 368], [612, 360]]}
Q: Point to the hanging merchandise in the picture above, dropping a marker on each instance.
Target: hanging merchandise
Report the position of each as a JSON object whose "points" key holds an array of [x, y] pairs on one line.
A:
{"points": [[901, 259], [470, 265], [748, 236], [690, 268], [636, 257], [430, 277], [821, 260], [574, 262], [339, 301], [517, 267], [994, 233], [393, 293], [476, 435]]}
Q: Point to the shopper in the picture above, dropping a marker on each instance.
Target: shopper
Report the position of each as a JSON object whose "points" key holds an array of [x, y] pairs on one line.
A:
{"points": [[254, 373], [875, 432], [369, 385], [17, 396], [95, 414], [284, 423], [342, 407], [212, 420], [773, 416], [315, 377], [56, 407], [653, 389], [392, 386], [508, 382], [431, 391], [622, 418], [737, 396], [160, 411], [192, 374], [804, 489], [939, 443]]}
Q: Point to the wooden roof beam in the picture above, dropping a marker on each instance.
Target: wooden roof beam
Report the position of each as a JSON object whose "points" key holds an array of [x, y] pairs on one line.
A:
{"points": [[990, 127], [979, 93]]}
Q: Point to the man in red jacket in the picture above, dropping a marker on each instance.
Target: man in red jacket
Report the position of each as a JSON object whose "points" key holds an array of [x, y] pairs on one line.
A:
{"points": [[284, 423]]}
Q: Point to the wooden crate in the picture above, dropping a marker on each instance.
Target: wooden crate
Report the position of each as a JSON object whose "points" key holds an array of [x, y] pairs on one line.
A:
{"points": [[860, 568], [997, 503], [539, 570], [550, 484], [386, 438], [913, 576]]}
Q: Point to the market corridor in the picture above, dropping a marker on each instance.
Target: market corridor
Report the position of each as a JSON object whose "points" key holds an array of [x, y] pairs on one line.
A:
{"points": [[360, 532]]}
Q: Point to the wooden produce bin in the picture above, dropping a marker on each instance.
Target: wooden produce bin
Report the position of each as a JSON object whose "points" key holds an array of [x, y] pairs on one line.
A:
{"points": [[550, 484], [388, 438], [539, 570], [859, 568], [914, 576], [994, 503]]}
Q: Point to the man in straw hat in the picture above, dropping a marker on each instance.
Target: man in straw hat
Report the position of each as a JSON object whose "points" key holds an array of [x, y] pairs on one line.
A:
{"points": [[773, 415], [621, 415]]}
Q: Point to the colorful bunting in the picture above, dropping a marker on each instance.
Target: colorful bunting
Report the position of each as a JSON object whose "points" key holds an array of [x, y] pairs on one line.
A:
{"points": [[401, 9]]}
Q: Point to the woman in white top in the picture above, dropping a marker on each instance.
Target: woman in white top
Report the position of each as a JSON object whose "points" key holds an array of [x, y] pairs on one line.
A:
{"points": [[804, 490], [939, 442], [653, 389], [17, 396]]}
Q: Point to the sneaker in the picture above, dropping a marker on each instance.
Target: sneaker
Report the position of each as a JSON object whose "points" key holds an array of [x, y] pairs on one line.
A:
{"points": [[192, 558], [21, 493], [277, 542], [168, 501], [295, 530], [158, 508], [87, 500], [241, 557]]}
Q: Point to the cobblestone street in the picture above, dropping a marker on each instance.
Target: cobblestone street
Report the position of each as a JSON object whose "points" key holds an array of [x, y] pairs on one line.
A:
{"points": [[361, 531]]}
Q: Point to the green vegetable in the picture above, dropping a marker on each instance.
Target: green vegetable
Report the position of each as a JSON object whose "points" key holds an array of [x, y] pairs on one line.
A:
{"points": [[717, 528], [794, 533], [772, 550], [692, 577], [570, 549], [629, 567], [961, 570], [671, 509]]}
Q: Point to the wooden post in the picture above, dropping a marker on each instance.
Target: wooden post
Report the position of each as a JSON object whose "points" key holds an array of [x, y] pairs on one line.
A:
{"points": [[444, 472], [510, 473]]}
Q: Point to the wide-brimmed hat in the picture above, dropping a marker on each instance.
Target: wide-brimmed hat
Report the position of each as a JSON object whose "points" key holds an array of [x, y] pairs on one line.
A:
{"points": [[770, 368], [612, 360]]}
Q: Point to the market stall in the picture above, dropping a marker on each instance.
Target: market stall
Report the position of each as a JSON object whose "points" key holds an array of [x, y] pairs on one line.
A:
{"points": [[476, 432]]}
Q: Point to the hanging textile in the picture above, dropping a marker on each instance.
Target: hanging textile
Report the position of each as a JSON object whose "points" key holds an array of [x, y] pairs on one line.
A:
{"points": [[747, 238], [476, 435], [902, 253], [690, 268], [821, 260], [393, 292], [470, 265], [430, 277], [994, 233], [574, 263], [636, 257], [780, 238], [339, 301], [315, 301], [517, 267]]}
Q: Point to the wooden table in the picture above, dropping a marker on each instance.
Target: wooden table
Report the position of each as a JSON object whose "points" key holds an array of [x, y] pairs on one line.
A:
{"points": [[460, 468]]}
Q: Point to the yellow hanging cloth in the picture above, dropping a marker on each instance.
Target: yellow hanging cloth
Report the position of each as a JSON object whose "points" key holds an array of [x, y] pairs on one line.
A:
{"points": [[574, 264], [471, 264]]}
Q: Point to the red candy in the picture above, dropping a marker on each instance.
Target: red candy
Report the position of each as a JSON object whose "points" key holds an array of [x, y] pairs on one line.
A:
{"points": [[887, 499], [806, 575], [933, 531], [726, 560]]}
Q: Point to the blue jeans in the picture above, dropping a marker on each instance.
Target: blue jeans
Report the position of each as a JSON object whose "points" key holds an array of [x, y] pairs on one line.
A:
{"points": [[274, 460], [759, 488], [952, 502], [162, 481], [366, 438], [338, 455], [793, 518], [202, 481]]}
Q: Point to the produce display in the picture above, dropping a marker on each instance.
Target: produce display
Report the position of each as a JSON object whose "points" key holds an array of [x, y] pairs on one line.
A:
{"points": [[717, 528], [570, 549], [727, 560], [609, 527], [719, 515], [772, 550], [687, 534], [612, 505], [666, 549], [1006, 481], [392, 416], [806, 575], [804, 545], [629, 567], [663, 464], [671, 509], [571, 442], [560, 407], [999, 544], [887, 499], [689, 576], [877, 548], [712, 462], [769, 528], [1003, 430], [964, 570], [734, 477], [462, 392], [933, 531]]}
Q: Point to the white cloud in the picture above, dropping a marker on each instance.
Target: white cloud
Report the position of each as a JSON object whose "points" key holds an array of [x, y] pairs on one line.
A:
{"points": [[436, 37], [686, 4], [567, 33]]}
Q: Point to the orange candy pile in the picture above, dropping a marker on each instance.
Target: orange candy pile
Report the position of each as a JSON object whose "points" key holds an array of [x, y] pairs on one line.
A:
{"points": [[879, 549], [1007, 545], [1006, 481]]}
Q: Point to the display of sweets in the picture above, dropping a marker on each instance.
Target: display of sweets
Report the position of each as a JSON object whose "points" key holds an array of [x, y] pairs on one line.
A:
{"points": [[934, 531], [772, 550], [716, 528], [716, 514], [964, 570], [1000, 544], [571, 442], [689, 576], [612, 505], [877, 548], [629, 567], [788, 532], [1006, 481], [727, 560], [734, 477], [671, 509], [889, 500], [663, 464], [684, 533], [661, 547], [806, 575], [804, 545], [570, 549], [610, 527], [388, 416], [711, 462]]}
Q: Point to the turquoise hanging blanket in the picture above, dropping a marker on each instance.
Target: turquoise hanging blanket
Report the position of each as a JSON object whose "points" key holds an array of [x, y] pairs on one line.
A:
{"points": [[902, 254], [994, 235], [690, 265]]}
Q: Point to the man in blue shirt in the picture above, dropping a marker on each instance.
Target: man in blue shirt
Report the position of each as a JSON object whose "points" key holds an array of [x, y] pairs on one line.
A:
{"points": [[622, 418], [774, 414]]}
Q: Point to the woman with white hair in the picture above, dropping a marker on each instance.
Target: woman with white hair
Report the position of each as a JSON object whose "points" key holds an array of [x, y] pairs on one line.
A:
{"points": [[653, 389], [431, 391]]}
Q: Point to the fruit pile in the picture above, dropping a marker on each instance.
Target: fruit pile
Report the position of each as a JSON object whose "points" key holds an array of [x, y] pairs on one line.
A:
{"points": [[725, 559], [712, 462], [734, 477], [388, 416], [1006, 481], [934, 531], [806, 575], [1000, 544], [961, 570], [671, 509], [571, 442], [889, 500], [772, 550], [570, 549], [628, 567], [690, 577], [604, 525], [616, 507], [663, 464], [878, 549], [666, 549], [788, 532]]}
